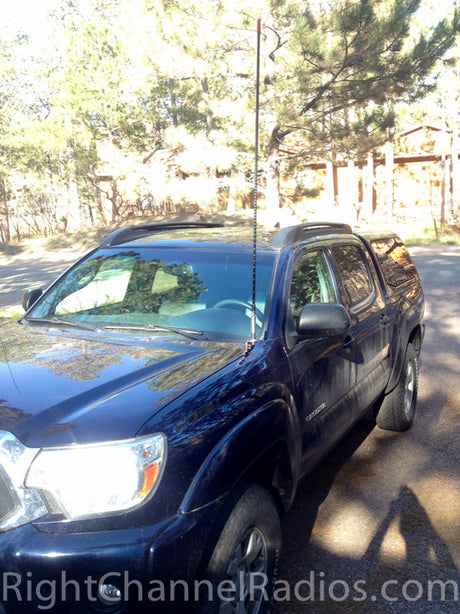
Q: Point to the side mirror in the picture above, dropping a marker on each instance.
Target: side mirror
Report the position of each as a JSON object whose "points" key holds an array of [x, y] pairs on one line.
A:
{"points": [[323, 320], [30, 297]]}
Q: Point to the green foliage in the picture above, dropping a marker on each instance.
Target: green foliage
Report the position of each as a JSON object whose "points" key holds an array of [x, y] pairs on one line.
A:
{"points": [[353, 63], [159, 95]]}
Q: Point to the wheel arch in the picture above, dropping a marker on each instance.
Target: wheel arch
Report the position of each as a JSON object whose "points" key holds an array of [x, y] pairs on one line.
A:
{"points": [[273, 471], [262, 449], [413, 337], [416, 337]]}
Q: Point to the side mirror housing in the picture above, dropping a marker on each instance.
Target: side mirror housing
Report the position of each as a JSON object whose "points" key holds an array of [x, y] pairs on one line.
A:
{"points": [[30, 297], [323, 320]]}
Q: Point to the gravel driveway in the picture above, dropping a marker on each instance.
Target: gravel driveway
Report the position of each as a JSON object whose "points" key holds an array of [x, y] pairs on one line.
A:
{"points": [[375, 528]]}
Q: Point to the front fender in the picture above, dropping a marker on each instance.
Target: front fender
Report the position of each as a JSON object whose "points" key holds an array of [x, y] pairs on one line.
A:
{"points": [[271, 429]]}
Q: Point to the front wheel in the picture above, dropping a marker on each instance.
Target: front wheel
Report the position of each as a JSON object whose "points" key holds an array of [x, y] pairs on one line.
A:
{"points": [[242, 568], [397, 410]]}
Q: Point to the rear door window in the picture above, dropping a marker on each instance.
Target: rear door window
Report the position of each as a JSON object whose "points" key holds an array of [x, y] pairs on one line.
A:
{"points": [[354, 272], [396, 262]]}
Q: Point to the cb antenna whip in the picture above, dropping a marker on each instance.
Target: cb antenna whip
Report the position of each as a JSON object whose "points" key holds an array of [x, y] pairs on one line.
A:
{"points": [[252, 342]]}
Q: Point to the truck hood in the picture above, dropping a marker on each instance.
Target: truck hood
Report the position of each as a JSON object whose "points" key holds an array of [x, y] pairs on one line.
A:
{"points": [[59, 387]]}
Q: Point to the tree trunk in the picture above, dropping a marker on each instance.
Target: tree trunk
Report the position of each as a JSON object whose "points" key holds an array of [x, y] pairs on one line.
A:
{"points": [[389, 170], [455, 169], [352, 199], [5, 234], [233, 191], [209, 115], [272, 189], [444, 173], [113, 200], [368, 196], [73, 196], [73, 210], [329, 186], [99, 205], [173, 104]]}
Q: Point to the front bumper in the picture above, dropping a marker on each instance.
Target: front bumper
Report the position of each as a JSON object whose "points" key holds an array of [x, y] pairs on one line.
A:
{"points": [[64, 572]]}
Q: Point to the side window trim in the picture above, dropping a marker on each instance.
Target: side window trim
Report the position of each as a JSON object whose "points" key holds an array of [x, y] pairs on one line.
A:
{"points": [[332, 274]]}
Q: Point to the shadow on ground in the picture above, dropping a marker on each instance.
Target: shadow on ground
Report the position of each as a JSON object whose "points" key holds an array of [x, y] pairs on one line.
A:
{"points": [[317, 579]]}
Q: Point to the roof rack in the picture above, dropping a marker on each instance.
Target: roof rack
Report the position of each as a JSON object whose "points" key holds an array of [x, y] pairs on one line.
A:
{"points": [[131, 233], [292, 234]]}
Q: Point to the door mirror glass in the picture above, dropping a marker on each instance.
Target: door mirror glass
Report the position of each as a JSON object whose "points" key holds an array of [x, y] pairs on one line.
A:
{"points": [[30, 297]]}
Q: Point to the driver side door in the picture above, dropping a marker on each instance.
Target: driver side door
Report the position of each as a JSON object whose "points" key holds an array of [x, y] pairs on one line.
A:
{"points": [[322, 369]]}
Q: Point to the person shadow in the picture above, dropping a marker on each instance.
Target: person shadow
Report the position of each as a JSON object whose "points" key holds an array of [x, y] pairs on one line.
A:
{"points": [[421, 579], [422, 541]]}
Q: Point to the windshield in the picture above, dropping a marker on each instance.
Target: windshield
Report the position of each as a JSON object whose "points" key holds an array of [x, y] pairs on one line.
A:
{"points": [[204, 291]]}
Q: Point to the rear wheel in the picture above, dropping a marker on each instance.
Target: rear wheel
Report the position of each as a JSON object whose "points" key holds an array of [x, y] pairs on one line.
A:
{"points": [[244, 561], [397, 410]]}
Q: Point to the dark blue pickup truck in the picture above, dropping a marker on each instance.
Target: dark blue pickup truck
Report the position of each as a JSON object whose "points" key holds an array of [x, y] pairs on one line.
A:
{"points": [[161, 400]]}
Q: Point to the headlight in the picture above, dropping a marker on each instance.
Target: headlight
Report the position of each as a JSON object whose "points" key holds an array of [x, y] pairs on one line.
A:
{"points": [[93, 479], [18, 505]]}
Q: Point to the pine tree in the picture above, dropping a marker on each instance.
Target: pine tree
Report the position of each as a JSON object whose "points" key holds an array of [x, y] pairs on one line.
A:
{"points": [[342, 68]]}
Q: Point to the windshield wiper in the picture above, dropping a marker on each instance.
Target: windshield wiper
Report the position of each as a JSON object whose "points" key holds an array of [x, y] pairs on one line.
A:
{"points": [[61, 321], [185, 332]]}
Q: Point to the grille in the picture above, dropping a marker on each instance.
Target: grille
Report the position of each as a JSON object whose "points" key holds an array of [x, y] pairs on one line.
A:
{"points": [[8, 501]]}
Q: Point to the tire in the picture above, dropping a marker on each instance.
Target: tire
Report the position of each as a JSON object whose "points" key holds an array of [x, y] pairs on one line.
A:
{"points": [[245, 555], [397, 410]]}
